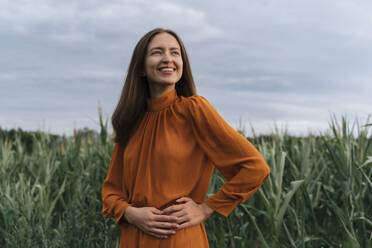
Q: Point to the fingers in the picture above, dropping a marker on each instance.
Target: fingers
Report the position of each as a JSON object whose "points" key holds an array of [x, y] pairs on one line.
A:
{"points": [[184, 225], [178, 215], [173, 208], [161, 224], [160, 229], [181, 220], [165, 225], [156, 211], [165, 218], [152, 221]]}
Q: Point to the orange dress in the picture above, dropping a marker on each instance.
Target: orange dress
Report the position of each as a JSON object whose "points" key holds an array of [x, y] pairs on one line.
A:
{"points": [[172, 154]]}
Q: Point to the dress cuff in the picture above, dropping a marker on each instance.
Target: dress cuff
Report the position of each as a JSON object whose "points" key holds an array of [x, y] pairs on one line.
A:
{"points": [[220, 203], [119, 217]]}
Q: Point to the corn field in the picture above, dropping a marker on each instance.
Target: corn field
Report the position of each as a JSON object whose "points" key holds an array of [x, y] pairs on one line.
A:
{"points": [[318, 194]]}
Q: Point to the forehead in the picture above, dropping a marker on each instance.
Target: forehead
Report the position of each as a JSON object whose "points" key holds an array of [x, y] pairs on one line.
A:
{"points": [[163, 40]]}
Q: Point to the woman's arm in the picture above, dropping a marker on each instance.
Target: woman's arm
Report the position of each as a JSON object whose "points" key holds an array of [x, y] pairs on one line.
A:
{"points": [[113, 198], [231, 153]]}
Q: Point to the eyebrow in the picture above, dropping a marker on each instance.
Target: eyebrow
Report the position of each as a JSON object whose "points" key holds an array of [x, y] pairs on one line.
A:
{"points": [[161, 48]]}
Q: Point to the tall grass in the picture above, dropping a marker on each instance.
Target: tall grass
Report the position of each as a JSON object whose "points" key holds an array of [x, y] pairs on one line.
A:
{"points": [[318, 194]]}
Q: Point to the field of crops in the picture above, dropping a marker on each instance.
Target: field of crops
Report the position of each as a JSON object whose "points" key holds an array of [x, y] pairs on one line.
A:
{"points": [[319, 193]]}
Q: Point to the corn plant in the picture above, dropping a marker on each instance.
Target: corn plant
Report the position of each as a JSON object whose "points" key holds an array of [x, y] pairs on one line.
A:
{"points": [[318, 193]]}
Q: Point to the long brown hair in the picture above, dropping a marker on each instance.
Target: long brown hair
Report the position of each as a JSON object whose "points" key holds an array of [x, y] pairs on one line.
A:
{"points": [[132, 104]]}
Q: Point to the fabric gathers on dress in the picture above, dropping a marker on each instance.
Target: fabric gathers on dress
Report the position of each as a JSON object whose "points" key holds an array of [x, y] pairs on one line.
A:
{"points": [[172, 154]]}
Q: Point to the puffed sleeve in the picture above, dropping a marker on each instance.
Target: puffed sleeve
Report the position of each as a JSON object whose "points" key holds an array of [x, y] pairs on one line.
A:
{"points": [[232, 154], [114, 199]]}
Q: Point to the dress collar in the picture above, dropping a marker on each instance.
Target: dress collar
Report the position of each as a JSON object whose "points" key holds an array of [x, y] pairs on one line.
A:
{"points": [[161, 102]]}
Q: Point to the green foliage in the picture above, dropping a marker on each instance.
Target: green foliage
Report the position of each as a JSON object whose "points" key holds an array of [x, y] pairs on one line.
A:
{"points": [[318, 193]]}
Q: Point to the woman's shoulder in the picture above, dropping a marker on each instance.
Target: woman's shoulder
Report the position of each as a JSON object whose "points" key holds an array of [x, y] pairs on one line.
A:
{"points": [[194, 101], [196, 104]]}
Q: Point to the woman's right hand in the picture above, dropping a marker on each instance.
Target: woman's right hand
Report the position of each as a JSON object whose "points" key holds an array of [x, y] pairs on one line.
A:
{"points": [[152, 221]]}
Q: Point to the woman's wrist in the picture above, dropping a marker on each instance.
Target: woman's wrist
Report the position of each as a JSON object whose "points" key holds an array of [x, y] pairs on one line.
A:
{"points": [[208, 212], [127, 213]]}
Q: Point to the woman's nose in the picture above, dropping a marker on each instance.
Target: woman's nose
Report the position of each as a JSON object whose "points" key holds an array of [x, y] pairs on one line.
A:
{"points": [[166, 57]]}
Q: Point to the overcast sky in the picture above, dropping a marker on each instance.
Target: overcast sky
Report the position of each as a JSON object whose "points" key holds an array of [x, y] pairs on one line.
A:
{"points": [[290, 63]]}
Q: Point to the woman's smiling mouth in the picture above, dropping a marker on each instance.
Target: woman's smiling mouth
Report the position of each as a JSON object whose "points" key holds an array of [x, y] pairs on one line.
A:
{"points": [[167, 69]]}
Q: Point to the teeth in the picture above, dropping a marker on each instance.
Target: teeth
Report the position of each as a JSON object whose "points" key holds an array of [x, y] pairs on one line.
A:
{"points": [[167, 69]]}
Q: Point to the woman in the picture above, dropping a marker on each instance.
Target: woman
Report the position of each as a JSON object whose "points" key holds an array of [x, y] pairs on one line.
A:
{"points": [[168, 141]]}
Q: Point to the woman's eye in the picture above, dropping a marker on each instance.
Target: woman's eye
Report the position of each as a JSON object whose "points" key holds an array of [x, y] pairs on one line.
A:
{"points": [[155, 52], [176, 53]]}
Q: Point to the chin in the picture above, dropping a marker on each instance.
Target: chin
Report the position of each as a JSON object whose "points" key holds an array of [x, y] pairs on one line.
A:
{"points": [[168, 82]]}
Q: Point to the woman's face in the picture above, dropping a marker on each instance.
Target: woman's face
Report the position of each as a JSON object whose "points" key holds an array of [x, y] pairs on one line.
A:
{"points": [[163, 61]]}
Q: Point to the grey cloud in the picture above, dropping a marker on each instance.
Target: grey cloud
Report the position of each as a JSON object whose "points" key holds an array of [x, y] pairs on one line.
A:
{"points": [[287, 61]]}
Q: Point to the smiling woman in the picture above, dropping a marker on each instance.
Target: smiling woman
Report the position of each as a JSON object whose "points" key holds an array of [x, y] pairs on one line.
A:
{"points": [[168, 141]]}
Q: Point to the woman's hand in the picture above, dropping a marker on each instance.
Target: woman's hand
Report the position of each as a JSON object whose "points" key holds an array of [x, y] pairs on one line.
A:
{"points": [[189, 213], [152, 221]]}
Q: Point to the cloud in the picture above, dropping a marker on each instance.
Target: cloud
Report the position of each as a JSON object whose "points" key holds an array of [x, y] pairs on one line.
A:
{"points": [[74, 21], [283, 61]]}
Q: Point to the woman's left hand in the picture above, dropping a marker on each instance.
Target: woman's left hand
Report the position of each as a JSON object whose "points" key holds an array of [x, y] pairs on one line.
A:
{"points": [[189, 213]]}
